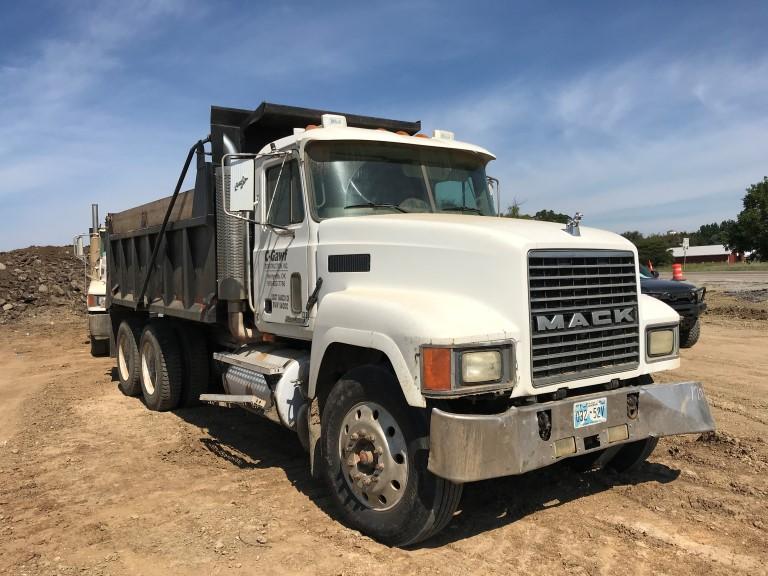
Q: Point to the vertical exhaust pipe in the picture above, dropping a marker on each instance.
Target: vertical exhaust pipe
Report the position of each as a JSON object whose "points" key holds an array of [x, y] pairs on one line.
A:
{"points": [[94, 251], [94, 218]]}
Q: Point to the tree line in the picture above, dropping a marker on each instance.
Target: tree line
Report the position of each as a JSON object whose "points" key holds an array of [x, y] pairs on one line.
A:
{"points": [[748, 233]]}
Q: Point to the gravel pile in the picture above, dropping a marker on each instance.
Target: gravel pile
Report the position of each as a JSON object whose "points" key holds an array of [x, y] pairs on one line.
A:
{"points": [[40, 278]]}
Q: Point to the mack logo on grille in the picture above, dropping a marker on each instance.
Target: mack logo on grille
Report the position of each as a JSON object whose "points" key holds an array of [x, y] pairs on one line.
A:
{"points": [[616, 316]]}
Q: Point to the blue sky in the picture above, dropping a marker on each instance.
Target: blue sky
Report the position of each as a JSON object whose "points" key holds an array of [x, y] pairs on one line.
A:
{"points": [[649, 115]]}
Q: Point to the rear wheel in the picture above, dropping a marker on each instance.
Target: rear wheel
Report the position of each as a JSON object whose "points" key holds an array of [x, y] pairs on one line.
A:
{"points": [[376, 450], [690, 336], [128, 361], [195, 368], [160, 367]]}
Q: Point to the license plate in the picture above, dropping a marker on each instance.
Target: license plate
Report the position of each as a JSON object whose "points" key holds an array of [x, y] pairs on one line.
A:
{"points": [[590, 412]]}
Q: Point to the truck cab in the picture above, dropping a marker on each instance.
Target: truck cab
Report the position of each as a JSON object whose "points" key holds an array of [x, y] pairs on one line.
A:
{"points": [[351, 279]]}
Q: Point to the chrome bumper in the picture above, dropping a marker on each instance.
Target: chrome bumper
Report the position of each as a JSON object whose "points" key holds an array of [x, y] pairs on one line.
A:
{"points": [[468, 447]]}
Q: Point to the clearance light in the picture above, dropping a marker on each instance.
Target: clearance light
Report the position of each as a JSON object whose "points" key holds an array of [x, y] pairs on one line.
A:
{"points": [[333, 121], [442, 134], [436, 373], [565, 446], [618, 433]]}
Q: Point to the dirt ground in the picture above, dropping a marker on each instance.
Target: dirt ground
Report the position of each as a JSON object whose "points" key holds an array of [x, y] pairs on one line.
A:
{"points": [[93, 483]]}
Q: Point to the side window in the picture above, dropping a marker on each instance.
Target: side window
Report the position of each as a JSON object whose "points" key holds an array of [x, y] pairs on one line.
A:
{"points": [[454, 194], [285, 204]]}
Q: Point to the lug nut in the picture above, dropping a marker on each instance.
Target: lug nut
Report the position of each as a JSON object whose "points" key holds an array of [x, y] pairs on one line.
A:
{"points": [[354, 436]]}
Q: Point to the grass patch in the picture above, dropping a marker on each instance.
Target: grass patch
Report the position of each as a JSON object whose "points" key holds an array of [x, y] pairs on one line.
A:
{"points": [[719, 267]]}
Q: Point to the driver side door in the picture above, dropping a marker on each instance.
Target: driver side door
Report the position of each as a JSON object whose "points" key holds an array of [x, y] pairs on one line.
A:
{"points": [[281, 253]]}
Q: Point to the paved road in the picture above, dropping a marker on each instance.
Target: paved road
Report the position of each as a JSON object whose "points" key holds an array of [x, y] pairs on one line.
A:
{"points": [[729, 280]]}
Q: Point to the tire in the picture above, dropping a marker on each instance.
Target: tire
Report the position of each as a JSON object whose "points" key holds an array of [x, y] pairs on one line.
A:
{"points": [[592, 460], [690, 336], [196, 366], [161, 374], [99, 348], [632, 455], [369, 432], [128, 361]]}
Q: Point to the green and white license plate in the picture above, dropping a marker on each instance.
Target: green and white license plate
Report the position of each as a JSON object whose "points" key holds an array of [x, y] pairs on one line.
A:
{"points": [[590, 412]]}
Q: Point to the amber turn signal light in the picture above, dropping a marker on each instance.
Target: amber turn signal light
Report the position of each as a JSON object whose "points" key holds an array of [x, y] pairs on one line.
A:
{"points": [[436, 373]]}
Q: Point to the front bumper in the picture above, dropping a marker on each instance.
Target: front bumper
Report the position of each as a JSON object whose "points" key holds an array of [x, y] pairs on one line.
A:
{"points": [[99, 325], [469, 447]]}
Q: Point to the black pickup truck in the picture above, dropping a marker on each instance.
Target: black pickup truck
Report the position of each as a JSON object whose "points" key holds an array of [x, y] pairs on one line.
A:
{"points": [[685, 298]]}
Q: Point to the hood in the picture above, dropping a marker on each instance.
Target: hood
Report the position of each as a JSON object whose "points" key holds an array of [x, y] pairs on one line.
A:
{"points": [[657, 285], [481, 261], [447, 229]]}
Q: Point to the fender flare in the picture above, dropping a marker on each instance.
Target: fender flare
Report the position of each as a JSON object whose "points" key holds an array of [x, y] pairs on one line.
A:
{"points": [[366, 339]]}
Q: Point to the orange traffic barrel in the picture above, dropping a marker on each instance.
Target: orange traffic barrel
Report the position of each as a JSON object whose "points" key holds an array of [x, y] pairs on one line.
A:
{"points": [[677, 272]]}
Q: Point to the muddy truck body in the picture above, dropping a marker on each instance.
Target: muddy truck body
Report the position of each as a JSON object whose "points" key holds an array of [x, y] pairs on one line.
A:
{"points": [[350, 279]]}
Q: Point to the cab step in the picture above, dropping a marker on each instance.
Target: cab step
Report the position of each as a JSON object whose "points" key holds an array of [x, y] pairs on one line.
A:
{"points": [[229, 400], [263, 360]]}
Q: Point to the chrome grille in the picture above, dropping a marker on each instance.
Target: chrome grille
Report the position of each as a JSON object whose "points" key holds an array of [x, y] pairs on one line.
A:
{"points": [[583, 314]]}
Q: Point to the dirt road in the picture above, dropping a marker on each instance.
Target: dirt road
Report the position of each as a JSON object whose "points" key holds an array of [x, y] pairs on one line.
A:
{"points": [[93, 483], [729, 280]]}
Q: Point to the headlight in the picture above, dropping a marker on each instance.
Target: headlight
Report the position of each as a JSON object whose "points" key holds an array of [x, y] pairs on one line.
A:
{"points": [[661, 342], [449, 371], [480, 367]]}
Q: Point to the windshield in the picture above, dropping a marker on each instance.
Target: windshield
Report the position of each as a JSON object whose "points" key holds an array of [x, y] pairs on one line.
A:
{"points": [[355, 178], [645, 272]]}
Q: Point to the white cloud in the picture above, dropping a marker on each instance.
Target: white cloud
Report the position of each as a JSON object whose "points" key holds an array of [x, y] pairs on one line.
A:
{"points": [[625, 139]]}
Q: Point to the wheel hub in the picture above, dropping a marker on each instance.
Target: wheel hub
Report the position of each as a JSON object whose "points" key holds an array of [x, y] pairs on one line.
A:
{"points": [[148, 368], [373, 453]]}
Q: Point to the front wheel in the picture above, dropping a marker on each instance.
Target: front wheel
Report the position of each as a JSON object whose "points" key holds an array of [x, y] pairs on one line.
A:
{"points": [[689, 336], [376, 451], [631, 456]]}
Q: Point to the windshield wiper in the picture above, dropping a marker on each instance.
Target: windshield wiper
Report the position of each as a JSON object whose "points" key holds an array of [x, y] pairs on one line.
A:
{"points": [[462, 209], [374, 205]]}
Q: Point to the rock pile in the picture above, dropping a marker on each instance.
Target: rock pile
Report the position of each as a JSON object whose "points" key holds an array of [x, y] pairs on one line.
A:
{"points": [[39, 277]]}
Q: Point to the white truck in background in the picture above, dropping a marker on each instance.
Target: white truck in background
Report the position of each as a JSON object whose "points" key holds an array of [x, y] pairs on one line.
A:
{"points": [[95, 262], [349, 278]]}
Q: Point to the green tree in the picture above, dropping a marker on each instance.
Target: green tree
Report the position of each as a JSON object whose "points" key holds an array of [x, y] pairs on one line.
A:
{"points": [[515, 211], [654, 248], [551, 216], [709, 234], [633, 236], [750, 231]]}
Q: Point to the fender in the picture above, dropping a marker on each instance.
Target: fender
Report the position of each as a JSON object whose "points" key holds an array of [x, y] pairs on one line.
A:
{"points": [[653, 312], [403, 320]]}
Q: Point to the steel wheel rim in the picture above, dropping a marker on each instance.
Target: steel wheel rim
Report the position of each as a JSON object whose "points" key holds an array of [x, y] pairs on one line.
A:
{"points": [[148, 368], [374, 456], [122, 362]]}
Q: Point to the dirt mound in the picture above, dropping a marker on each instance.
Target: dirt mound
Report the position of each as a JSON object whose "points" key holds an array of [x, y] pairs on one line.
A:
{"points": [[39, 278]]}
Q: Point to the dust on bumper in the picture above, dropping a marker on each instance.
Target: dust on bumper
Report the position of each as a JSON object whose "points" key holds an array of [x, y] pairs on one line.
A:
{"points": [[468, 447]]}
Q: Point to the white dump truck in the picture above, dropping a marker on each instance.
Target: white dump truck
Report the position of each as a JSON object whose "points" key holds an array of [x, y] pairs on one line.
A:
{"points": [[95, 261], [349, 278]]}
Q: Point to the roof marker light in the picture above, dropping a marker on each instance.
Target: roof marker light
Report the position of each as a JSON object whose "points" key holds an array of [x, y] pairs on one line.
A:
{"points": [[297, 131], [442, 134], [333, 121]]}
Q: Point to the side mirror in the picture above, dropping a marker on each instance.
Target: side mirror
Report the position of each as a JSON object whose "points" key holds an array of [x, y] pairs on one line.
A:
{"points": [[242, 186], [77, 247], [655, 273], [495, 189]]}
